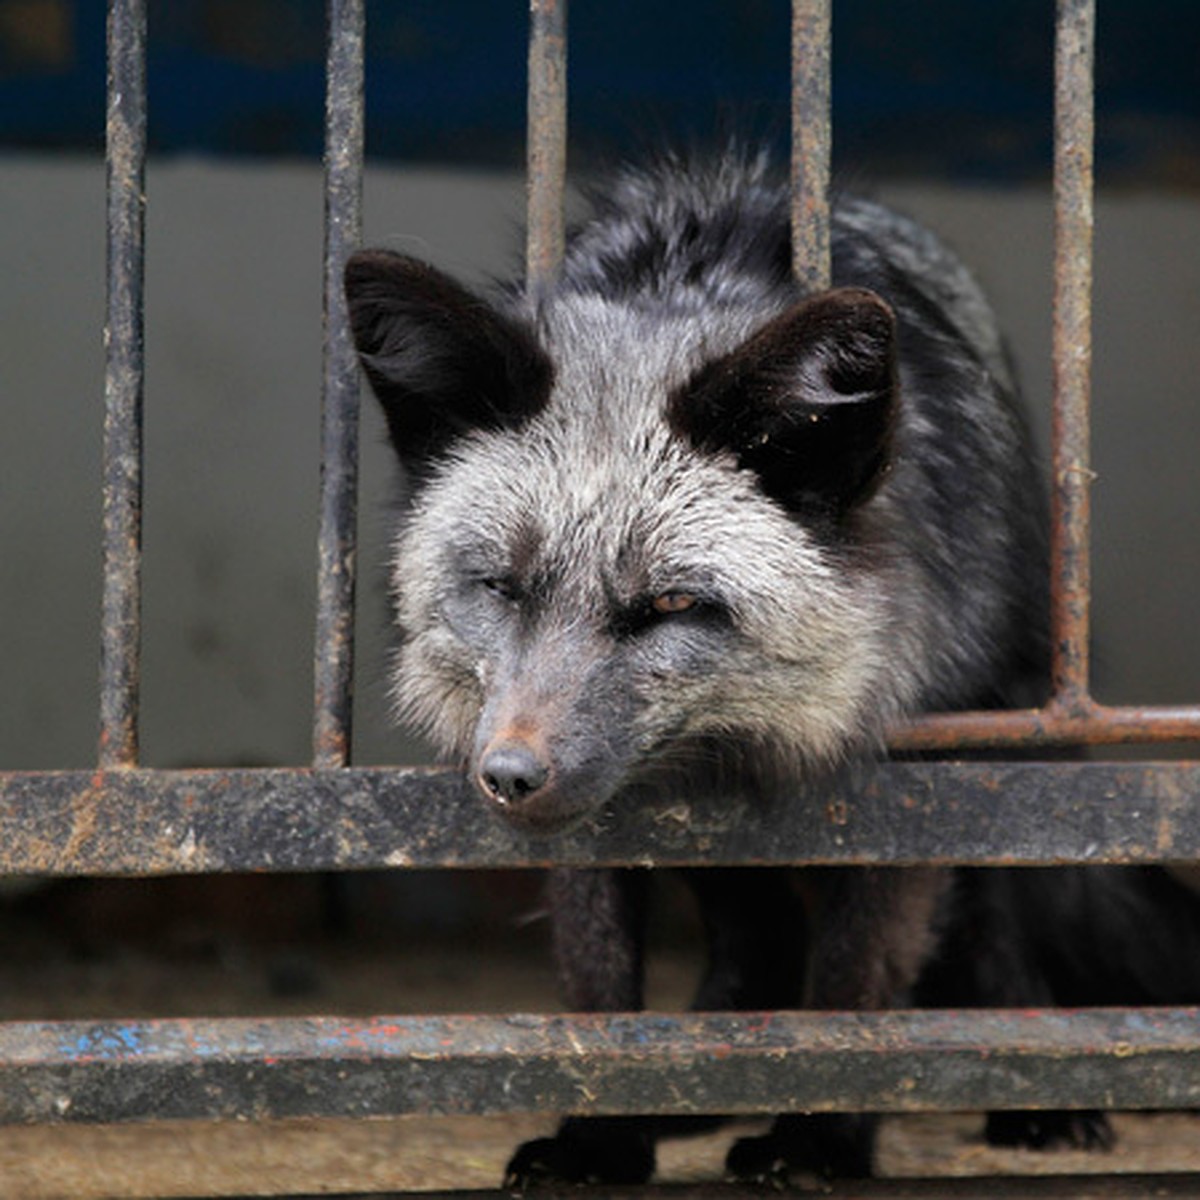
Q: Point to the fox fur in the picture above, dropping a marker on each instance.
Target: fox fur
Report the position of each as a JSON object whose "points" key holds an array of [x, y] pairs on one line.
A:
{"points": [[671, 523]]}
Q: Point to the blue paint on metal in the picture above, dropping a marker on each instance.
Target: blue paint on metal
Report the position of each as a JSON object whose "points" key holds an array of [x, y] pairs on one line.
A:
{"points": [[106, 1042]]}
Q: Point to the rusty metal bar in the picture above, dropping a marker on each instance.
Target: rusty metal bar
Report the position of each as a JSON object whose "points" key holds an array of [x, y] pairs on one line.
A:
{"points": [[1073, 221], [810, 142], [1085, 723], [143, 822], [546, 141], [337, 546], [916, 1061], [120, 635]]}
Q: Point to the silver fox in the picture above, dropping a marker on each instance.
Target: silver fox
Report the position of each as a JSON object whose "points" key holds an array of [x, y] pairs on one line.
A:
{"points": [[673, 524]]}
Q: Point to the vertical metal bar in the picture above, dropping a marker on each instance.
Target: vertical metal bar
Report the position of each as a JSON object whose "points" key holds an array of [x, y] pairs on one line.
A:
{"points": [[334, 649], [120, 637], [546, 140], [811, 31], [1073, 220]]}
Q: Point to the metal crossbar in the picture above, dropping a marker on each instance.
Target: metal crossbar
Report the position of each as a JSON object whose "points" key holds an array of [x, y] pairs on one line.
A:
{"points": [[596, 1064], [146, 822], [122, 819]]}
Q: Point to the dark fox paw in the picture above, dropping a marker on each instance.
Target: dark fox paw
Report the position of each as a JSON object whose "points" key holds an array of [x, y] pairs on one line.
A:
{"points": [[595, 1150], [830, 1145], [1086, 1129]]}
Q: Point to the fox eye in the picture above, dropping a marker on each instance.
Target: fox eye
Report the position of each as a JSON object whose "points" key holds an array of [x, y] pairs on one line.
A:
{"points": [[658, 609], [667, 603], [503, 587]]}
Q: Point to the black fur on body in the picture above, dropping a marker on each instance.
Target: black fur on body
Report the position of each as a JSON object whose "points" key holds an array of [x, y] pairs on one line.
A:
{"points": [[672, 524]]}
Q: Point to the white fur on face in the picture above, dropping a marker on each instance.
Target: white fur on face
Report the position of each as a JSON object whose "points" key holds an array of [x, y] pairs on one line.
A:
{"points": [[602, 479]]}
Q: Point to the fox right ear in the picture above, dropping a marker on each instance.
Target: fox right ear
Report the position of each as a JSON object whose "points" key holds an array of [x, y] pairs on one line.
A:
{"points": [[441, 361], [807, 403]]}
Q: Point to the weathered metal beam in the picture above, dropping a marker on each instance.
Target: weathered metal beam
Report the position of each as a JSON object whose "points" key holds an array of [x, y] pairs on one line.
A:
{"points": [[167, 822], [598, 1064]]}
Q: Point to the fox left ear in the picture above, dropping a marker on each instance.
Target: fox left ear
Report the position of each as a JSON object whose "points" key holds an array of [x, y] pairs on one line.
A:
{"points": [[807, 402], [442, 361]]}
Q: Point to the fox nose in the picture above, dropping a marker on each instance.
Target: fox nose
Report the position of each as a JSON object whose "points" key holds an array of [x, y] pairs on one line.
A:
{"points": [[510, 772]]}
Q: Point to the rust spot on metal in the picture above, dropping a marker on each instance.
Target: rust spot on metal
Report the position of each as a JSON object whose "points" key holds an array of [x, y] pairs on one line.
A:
{"points": [[83, 827]]}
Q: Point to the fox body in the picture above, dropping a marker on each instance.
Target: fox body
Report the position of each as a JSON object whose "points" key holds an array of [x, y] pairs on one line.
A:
{"points": [[673, 524]]}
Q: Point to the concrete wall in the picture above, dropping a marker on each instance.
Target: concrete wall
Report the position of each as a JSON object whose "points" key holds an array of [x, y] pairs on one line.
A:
{"points": [[232, 404]]}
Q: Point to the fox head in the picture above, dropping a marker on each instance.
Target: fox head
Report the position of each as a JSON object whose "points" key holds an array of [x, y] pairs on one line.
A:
{"points": [[634, 538]]}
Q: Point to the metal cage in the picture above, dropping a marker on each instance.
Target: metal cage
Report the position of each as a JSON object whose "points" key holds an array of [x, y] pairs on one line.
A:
{"points": [[124, 819]]}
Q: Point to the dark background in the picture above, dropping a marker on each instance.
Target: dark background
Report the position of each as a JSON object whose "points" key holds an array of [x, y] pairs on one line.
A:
{"points": [[957, 90]]}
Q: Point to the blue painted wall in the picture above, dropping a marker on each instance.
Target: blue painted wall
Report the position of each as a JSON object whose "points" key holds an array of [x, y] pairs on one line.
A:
{"points": [[921, 86]]}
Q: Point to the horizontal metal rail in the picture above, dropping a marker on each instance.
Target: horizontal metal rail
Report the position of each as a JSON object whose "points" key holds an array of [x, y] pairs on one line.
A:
{"points": [[1083, 723], [595, 1064], [168, 822]]}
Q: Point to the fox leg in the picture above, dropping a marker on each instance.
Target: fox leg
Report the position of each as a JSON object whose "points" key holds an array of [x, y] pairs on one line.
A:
{"points": [[873, 929]]}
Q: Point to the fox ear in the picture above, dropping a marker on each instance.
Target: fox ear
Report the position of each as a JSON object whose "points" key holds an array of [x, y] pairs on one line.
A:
{"points": [[807, 403], [441, 361]]}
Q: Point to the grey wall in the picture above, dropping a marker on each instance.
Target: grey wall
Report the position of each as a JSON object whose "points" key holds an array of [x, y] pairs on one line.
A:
{"points": [[232, 404]]}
